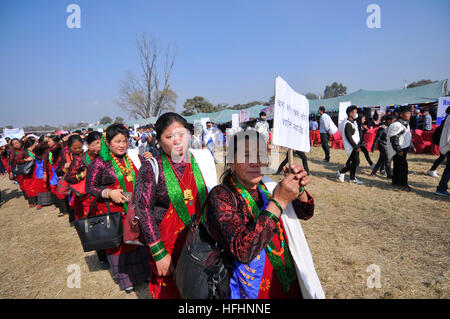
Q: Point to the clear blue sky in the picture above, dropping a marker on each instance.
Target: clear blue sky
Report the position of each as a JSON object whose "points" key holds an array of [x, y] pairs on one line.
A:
{"points": [[228, 51]]}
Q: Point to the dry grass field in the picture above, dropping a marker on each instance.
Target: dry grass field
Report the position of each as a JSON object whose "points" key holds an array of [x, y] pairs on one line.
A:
{"points": [[405, 234]]}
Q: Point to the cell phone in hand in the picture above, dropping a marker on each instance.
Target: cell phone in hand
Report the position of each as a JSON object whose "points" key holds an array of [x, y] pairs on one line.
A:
{"points": [[127, 195]]}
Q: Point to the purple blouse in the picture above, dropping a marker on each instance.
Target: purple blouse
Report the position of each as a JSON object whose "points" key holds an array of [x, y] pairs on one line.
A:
{"points": [[152, 201]]}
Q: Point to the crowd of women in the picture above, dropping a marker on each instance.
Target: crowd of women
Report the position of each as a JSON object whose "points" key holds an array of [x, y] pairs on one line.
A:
{"points": [[242, 214]]}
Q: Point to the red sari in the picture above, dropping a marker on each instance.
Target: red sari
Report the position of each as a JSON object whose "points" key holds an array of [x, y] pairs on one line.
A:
{"points": [[173, 235]]}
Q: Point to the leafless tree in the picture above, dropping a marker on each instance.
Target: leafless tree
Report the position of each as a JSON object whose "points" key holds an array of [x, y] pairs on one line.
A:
{"points": [[149, 94]]}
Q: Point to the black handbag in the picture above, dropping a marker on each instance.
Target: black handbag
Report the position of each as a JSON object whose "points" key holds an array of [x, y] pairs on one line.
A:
{"points": [[101, 231], [203, 269], [24, 169]]}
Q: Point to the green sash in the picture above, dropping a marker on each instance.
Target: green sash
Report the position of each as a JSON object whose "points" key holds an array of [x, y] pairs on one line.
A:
{"points": [[284, 272], [174, 189]]}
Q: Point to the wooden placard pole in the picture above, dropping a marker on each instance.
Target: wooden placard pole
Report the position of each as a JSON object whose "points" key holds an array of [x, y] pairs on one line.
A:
{"points": [[290, 158]]}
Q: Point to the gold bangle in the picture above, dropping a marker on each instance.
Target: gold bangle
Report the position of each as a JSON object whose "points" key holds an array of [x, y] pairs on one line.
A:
{"points": [[159, 251]]}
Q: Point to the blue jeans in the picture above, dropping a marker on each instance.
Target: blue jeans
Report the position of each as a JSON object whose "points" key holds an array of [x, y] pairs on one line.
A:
{"points": [[443, 184], [210, 146]]}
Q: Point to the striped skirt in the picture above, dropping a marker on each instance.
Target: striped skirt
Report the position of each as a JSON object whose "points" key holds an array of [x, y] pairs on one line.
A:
{"points": [[131, 268]]}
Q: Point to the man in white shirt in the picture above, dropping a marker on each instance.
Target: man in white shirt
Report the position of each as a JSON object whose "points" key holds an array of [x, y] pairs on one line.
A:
{"points": [[327, 128], [262, 126]]}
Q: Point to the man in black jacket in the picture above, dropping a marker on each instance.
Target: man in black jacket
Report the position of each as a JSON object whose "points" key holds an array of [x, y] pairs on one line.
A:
{"points": [[381, 141], [399, 143], [352, 146]]}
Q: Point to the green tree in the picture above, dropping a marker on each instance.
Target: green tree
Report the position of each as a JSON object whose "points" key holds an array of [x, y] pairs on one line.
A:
{"points": [[118, 120], [9, 127], [105, 120], [311, 96], [198, 104], [335, 90], [419, 83], [246, 106], [271, 101]]}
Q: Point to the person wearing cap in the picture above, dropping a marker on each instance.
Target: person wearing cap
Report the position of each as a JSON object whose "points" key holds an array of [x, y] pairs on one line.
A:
{"points": [[351, 139], [399, 141]]}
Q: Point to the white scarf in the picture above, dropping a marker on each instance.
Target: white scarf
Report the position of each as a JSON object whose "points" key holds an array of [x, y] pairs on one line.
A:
{"points": [[304, 265]]}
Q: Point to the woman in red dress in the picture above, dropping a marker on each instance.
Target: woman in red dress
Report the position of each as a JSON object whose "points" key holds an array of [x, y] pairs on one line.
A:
{"points": [[111, 178], [51, 161], [165, 208], [30, 181], [245, 219], [76, 173], [18, 155], [44, 197]]}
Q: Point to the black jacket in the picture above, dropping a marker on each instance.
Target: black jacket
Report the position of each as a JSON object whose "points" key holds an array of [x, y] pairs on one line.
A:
{"points": [[349, 131], [380, 138]]}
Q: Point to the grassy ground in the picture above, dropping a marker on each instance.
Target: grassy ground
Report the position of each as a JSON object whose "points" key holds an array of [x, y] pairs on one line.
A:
{"points": [[405, 234]]}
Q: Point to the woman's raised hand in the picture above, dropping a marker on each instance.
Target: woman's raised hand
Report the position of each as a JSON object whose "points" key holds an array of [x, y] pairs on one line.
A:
{"points": [[289, 188]]}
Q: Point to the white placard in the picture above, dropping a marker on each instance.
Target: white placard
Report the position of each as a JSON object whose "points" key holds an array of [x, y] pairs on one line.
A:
{"points": [[3, 141], [342, 117], [444, 103], [244, 116], [382, 109], [290, 120], [13, 133], [235, 120]]}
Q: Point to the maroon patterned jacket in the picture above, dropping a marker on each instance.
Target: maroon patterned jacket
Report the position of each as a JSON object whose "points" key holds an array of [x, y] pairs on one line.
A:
{"points": [[230, 223], [77, 166], [152, 201], [62, 160], [17, 157]]}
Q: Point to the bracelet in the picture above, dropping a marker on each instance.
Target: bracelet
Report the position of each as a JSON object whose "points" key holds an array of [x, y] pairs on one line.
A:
{"points": [[105, 193], [160, 255], [157, 248], [271, 216], [301, 190], [276, 203]]}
